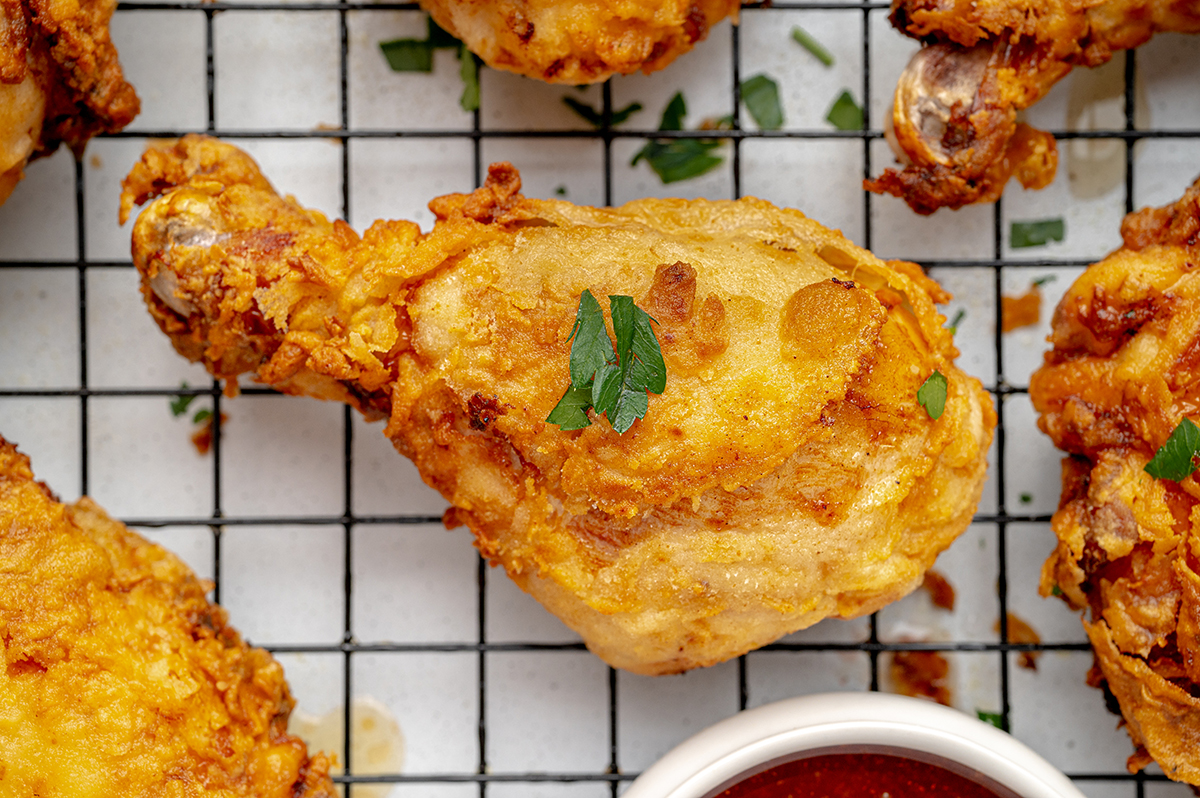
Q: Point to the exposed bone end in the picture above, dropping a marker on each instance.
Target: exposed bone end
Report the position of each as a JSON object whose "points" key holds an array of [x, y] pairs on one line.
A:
{"points": [[935, 95], [165, 286]]}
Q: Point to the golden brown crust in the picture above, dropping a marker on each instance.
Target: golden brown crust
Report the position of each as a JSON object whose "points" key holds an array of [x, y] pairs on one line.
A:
{"points": [[118, 667], [579, 41], [1121, 376], [954, 114], [786, 474], [60, 80]]}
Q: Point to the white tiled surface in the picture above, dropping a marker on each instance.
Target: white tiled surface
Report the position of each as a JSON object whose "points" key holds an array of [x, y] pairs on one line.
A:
{"points": [[415, 586]]}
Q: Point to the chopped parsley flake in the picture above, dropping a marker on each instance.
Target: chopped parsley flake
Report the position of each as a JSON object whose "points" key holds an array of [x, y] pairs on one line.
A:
{"points": [[596, 118], [805, 40], [1036, 234], [932, 395], [1176, 458], [993, 718], [957, 320], [678, 159], [180, 402], [845, 113], [416, 55], [761, 96], [469, 71]]}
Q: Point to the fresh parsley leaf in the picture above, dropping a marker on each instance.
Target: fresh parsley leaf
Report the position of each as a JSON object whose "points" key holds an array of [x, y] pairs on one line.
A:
{"points": [[932, 395], [1175, 459], [1049, 278], [571, 411], [612, 382], [1036, 234], [1056, 591], [1026, 498], [469, 71], [591, 347], [596, 118], [957, 320], [845, 114], [620, 387], [202, 415], [679, 159], [673, 114], [993, 718], [179, 404], [805, 40], [561, 191], [408, 55], [761, 96]]}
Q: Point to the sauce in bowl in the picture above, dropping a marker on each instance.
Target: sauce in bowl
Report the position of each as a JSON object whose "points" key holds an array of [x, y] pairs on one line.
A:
{"points": [[860, 775]]}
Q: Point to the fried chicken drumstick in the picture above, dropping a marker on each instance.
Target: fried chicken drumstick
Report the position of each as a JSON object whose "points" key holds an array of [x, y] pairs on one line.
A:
{"points": [[954, 115], [784, 475], [121, 678], [1121, 376], [60, 81], [579, 41]]}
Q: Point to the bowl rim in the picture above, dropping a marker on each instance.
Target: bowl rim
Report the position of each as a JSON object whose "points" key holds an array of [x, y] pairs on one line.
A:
{"points": [[717, 755]]}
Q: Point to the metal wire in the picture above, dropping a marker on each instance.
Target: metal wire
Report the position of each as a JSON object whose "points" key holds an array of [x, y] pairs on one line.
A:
{"points": [[218, 520]]}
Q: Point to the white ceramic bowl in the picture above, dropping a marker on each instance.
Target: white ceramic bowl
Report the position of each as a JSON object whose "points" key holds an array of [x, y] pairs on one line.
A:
{"points": [[756, 739]]}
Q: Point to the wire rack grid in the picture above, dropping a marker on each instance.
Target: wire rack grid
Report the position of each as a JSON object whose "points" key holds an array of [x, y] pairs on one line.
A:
{"points": [[325, 546]]}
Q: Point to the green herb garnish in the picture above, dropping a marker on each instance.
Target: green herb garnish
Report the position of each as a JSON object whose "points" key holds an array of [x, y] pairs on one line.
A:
{"points": [[678, 159], [761, 96], [957, 320], [596, 118], [1026, 498], [1056, 591], [1175, 459], [469, 72], [1036, 234], [561, 191], [990, 717], [932, 395], [845, 114], [673, 114], [1049, 278], [202, 415], [408, 55], [611, 379], [416, 55], [179, 404], [805, 40]]}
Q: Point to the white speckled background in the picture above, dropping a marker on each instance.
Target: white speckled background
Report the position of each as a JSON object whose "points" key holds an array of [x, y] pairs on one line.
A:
{"points": [[415, 614]]}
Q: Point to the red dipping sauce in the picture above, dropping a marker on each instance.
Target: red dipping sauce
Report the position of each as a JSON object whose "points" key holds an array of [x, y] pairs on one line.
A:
{"points": [[860, 775]]}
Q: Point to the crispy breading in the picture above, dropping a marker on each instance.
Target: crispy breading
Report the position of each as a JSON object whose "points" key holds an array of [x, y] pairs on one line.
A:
{"points": [[785, 475], [954, 117], [1123, 373], [121, 678], [579, 41], [60, 81]]}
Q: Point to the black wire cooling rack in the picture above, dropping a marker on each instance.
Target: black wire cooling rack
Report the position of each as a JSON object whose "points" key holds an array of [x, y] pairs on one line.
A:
{"points": [[614, 776]]}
